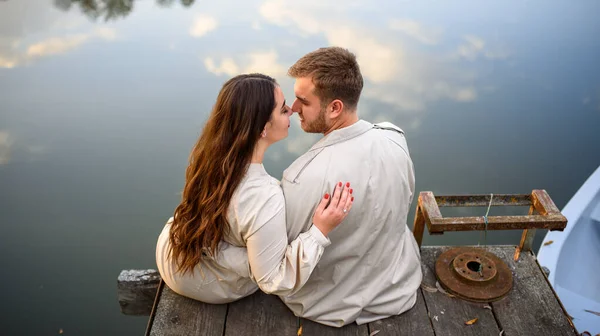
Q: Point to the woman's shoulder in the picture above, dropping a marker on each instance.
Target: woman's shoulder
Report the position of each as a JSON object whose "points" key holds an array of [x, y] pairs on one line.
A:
{"points": [[258, 188], [255, 202], [257, 178], [264, 187]]}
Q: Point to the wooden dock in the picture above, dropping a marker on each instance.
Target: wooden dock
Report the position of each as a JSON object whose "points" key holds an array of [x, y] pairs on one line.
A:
{"points": [[530, 308]]}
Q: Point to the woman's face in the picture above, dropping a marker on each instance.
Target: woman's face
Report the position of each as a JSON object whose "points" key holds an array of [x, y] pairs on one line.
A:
{"points": [[277, 128]]}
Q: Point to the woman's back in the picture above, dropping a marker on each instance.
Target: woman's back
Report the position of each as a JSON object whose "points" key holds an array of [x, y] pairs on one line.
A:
{"points": [[226, 277], [257, 199]]}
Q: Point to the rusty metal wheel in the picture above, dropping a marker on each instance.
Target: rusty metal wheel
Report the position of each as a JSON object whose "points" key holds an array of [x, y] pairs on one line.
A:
{"points": [[473, 274]]}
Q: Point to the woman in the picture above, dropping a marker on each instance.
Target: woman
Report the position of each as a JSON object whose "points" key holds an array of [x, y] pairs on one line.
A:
{"points": [[228, 237]]}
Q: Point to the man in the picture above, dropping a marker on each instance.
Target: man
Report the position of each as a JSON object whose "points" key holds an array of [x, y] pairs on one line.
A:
{"points": [[372, 268]]}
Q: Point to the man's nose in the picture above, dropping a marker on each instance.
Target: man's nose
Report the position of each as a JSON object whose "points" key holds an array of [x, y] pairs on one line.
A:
{"points": [[295, 106]]}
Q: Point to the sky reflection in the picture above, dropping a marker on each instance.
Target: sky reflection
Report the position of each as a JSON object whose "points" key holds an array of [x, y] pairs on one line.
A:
{"points": [[101, 102]]}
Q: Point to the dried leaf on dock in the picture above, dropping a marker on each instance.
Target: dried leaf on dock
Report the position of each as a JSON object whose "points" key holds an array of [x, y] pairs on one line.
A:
{"points": [[471, 322], [548, 242], [374, 332]]}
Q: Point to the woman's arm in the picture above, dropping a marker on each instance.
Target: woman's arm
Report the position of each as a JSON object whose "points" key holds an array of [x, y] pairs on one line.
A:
{"points": [[282, 269]]}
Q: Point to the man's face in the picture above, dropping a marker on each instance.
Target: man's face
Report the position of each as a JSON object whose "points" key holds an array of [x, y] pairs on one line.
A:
{"points": [[308, 107]]}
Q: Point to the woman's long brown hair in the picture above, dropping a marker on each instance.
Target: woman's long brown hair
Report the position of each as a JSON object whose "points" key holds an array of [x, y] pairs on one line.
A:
{"points": [[218, 162]]}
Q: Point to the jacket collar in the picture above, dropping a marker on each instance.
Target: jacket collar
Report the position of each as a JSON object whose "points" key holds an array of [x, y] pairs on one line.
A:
{"points": [[343, 134]]}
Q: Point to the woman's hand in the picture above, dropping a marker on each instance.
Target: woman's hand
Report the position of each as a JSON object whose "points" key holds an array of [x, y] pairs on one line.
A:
{"points": [[331, 211]]}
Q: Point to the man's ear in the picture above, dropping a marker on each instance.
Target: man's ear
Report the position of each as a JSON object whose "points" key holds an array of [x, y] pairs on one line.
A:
{"points": [[335, 108]]}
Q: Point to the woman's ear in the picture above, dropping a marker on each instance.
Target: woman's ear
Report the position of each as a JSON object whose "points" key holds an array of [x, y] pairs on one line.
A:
{"points": [[265, 129]]}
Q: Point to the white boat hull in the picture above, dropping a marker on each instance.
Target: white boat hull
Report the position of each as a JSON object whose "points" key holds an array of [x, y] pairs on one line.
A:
{"points": [[573, 257]]}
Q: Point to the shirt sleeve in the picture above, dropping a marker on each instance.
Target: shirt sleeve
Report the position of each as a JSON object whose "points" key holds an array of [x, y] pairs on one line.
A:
{"points": [[277, 267]]}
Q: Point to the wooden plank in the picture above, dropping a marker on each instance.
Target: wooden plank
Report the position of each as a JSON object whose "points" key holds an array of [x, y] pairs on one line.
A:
{"points": [[483, 200], [310, 328], [526, 238], [543, 203], [531, 307], [260, 314], [412, 322], [419, 226], [551, 222], [429, 207], [136, 290], [178, 315], [159, 290], [448, 315]]}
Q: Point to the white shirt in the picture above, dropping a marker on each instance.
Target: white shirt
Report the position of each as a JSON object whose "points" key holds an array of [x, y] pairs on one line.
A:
{"points": [[257, 217], [372, 269]]}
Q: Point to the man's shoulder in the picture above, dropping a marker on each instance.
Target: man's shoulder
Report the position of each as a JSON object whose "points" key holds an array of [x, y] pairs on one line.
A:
{"points": [[393, 133], [319, 158], [386, 125]]}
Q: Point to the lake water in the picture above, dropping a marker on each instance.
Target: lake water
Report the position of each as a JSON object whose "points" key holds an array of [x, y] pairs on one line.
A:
{"points": [[100, 106]]}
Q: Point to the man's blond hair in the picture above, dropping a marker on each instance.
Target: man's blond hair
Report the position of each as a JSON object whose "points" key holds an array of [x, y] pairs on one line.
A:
{"points": [[335, 74]]}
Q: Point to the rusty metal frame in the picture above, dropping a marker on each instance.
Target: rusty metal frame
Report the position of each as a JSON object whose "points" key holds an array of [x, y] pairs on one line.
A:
{"points": [[543, 214]]}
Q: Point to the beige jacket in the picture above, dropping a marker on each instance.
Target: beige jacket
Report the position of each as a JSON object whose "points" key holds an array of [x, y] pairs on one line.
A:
{"points": [[255, 253], [372, 268]]}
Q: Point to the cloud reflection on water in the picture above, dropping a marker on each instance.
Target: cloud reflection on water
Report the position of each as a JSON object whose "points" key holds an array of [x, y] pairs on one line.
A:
{"points": [[5, 144]]}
